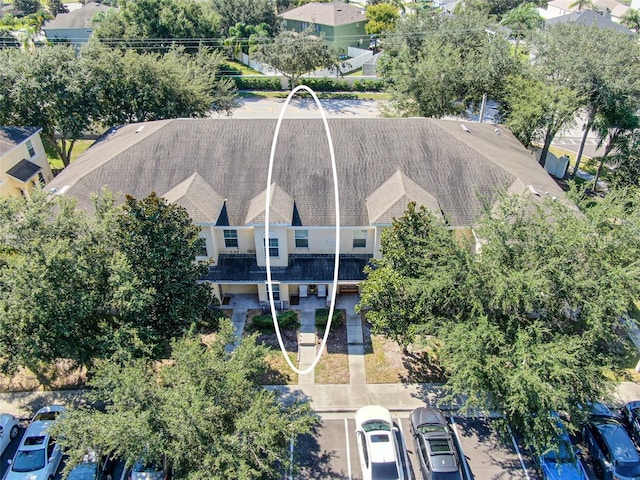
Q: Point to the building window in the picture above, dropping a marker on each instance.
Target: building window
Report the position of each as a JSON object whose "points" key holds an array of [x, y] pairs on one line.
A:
{"points": [[276, 291], [360, 239], [304, 25], [273, 247], [302, 238], [231, 238], [202, 247], [41, 179], [317, 28], [32, 152]]}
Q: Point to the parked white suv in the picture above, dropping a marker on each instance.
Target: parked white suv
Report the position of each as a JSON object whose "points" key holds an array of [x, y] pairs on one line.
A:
{"points": [[380, 445], [38, 456]]}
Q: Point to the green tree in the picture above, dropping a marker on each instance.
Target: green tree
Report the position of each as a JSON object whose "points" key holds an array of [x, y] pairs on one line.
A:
{"points": [[631, 19], [581, 4], [159, 24], [242, 37], [249, 12], [27, 6], [592, 61], [56, 6], [203, 410], [47, 87], [527, 325], [157, 288], [133, 87], [537, 110], [442, 65], [295, 54], [522, 20], [381, 18], [626, 161], [53, 284]]}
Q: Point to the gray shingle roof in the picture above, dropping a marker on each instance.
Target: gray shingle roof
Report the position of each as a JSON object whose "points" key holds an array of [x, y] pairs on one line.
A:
{"points": [[201, 201], [390, 200], [460, 169], [80, 18], [588, 18], [11, 137], [281, 211], [332, 14]]}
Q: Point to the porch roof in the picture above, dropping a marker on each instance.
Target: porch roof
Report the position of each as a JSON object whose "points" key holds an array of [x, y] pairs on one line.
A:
{"points": [[301, 269]]}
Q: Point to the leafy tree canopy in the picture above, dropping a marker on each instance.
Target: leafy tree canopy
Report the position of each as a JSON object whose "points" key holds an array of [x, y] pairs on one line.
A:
{"points": [[295, 54], [249, 12], [527, 325], [381, 18], [27, 6], [123, 282], [440, 65], [158, 24], [203, 410]]}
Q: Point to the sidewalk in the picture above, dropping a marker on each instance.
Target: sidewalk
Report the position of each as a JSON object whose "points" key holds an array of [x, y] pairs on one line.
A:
{"points": [[325, 399]]}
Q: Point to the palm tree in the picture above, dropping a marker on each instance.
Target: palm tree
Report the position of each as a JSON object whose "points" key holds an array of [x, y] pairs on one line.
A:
{"points": [[631, 19], [581, 4], [522, 20]]}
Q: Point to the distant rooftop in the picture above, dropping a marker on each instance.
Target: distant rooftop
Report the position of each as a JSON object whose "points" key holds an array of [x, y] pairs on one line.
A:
{"points": [[333, 14], [11, 137], [80, 18]]}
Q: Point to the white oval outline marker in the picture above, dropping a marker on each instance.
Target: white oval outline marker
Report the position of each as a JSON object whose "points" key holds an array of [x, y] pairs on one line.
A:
{"points": [[267, 238]]}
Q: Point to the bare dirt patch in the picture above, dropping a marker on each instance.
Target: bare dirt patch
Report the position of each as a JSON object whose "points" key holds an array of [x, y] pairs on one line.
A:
{"points": [[386, 361], [333, 367], [279, 372], [63, 375]]}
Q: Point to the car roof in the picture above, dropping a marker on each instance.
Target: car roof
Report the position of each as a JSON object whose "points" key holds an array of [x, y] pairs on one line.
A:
{"points": [[616, 437], [427, 415]]}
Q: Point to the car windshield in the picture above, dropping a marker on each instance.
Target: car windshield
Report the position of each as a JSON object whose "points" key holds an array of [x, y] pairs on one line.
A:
{"points": [[146, 467], [432, 427], [384, 471], [28, 460], [446, 476], [45, 416], [373, 425], [563, 454]]}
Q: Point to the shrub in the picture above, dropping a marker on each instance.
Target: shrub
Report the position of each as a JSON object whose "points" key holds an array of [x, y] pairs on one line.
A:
{"points": [[322, 317], [287, 320], [257, 83]]}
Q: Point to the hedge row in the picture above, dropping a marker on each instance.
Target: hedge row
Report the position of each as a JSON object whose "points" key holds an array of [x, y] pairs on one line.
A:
{"points": [[322, 317], [316, 84], [286, 320]]}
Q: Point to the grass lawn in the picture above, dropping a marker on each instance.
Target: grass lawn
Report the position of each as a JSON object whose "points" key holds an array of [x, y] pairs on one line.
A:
{"points": [[381, 362], [280, 373], [240, 67], [54, 159]]}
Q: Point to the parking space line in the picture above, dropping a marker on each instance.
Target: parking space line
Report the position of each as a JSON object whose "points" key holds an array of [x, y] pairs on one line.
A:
{"points": [[467, 471], [404, 449], [346, 434], [515, 445], [291, 459]]}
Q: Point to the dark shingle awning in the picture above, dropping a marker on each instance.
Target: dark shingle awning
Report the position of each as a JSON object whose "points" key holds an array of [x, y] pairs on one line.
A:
{"points": [[24, 170], [301, 269]]}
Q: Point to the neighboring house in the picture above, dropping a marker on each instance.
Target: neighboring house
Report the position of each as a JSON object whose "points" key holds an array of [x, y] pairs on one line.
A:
{"points": [[23, 162], [588, 18], [75, 27], [341, 24], [558, 8], [217, 170]]}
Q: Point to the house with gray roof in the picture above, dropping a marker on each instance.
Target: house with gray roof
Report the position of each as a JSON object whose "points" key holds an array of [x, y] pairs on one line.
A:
{"points": [[217, 170], [23, 162], [590, 17], [75, 27], [341, 24]]}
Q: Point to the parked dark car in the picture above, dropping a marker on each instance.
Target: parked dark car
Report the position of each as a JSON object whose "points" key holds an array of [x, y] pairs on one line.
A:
{"points": [[613, 452], [631, 418], [436, 446], [562, 462], [93, 467]]}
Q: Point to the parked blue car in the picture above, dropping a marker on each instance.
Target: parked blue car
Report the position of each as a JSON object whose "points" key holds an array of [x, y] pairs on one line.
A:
{"points": [[613, 452], [563, 463]]}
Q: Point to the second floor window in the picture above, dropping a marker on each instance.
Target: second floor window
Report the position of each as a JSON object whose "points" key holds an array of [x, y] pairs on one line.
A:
{"points": [[302, 238], [360, 239], [32, 151], [202, 247], [231, 239], [274, 251]]}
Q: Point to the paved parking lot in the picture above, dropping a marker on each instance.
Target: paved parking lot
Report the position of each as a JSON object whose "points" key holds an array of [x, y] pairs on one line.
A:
{"points": [[331, 452]]}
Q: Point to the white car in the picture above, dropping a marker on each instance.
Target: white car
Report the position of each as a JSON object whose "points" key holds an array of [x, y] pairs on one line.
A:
{"points": [[380, 445], [9, 429], [38, 456]]}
